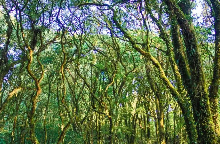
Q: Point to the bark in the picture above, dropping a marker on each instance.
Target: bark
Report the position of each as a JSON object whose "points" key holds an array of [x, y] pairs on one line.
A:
{"points": [[159, 106], [60, 140], [167, 128], [34, 98], [185, 6], [5, 66], [46, 110], [180, 57], [148, 127], [11, 94], [199, 94], [110, 129], [156, 124], [184, 105], [182, 65], [214, 87], [133, 129], [174, 125]]}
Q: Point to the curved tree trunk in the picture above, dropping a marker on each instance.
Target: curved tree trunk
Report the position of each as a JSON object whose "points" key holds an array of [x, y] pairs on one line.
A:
{"points": [[62, 135]]}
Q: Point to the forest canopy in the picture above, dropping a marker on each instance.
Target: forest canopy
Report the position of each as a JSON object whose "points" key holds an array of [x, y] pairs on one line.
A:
{"points": [[115, 71]]}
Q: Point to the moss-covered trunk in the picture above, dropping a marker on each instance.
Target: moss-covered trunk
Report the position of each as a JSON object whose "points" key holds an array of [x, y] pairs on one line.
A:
{"points": [[159, 105], [197, 90], [214, 87], [183, 67]]}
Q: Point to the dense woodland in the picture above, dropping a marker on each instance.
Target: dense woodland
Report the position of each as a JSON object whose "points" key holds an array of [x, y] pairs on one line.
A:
{"points": [[114, 72]]}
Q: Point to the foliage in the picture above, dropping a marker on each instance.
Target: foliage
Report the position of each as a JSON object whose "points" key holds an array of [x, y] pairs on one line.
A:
{"points": [[109, 72]]}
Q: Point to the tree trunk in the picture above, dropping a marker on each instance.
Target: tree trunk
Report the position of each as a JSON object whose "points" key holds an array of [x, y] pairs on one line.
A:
{"points": [[159, 106], [110, 129], [214, 87], [167, 128], [198, 89], [61, 138]]}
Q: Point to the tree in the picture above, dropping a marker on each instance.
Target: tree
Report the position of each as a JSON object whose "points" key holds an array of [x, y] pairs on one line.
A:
{"points": [[108, 72]]}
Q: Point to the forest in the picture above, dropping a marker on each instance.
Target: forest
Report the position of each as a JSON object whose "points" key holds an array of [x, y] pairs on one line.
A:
{"points": [[109, 71]]}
